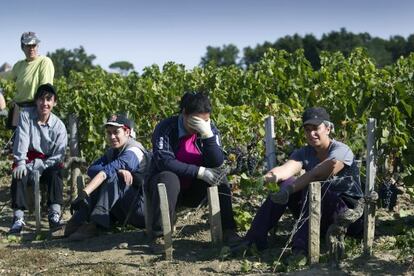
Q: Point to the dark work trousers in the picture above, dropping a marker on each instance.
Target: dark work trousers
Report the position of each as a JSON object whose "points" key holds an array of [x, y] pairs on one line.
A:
{"points": [[190, 197], [51, 177], [268, 216], [111, 202], [331, 205]]}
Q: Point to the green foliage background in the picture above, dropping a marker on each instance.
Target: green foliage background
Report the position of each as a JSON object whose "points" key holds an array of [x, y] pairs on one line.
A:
{"points": [[282, 84]]}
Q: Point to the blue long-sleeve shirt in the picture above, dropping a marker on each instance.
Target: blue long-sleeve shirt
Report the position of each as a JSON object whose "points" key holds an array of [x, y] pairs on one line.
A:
{"points": [[130, 159]]}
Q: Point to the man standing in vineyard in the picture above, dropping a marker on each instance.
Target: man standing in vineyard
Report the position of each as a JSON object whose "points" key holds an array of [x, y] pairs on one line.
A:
{"points": [[324, 159], [28, 74], [40, 145], [186, 157], [115, 190]]}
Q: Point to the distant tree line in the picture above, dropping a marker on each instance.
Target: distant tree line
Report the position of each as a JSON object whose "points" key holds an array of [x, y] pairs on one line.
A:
{"points": [[383, 51], [78, 60]]}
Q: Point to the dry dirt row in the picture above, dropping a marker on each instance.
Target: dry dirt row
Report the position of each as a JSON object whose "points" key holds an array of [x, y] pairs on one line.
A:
{"points": [[127, 252]]}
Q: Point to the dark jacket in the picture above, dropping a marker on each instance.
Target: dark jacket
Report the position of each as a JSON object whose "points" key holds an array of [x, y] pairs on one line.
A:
{"points": [[165, 143]]}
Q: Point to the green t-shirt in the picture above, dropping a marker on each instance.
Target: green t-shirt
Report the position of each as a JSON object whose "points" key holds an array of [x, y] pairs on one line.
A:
{"points": [[29, 76]]}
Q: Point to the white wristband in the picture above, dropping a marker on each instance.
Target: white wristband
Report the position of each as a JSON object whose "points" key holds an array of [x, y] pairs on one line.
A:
{"points": [[200, 172]]}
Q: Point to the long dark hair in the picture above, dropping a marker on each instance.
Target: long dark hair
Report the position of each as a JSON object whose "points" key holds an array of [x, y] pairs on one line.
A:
{"points": [[192, 102]]}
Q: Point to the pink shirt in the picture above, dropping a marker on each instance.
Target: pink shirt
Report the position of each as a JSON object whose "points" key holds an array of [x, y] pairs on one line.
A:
{"points": [[190, 154]]}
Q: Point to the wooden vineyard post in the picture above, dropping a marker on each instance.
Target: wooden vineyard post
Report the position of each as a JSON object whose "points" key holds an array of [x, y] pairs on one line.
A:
{"points": [[270, 143], [76, 176], [215, 218], [369, 211], [314, 222], [166, 223], [148, 213], [37, 199]]}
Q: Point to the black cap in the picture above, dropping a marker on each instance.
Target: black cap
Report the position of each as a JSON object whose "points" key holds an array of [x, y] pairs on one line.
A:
{"points": [[119, 120], [45, 89], [29, 38], [315, 116]]}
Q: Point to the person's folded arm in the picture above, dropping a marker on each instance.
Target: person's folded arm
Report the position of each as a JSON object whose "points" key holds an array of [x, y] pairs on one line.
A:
{"points": [[166, 161], [283, 172], [22, 139], [213, 155], [95, 182], [128, 160], [163, 153], [321, 172], [96, 167]]}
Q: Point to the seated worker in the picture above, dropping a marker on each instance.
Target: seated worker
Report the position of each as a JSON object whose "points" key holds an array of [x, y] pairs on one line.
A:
{"points": [[186, 157], [323, 159], [40, 145], [114, 192]]}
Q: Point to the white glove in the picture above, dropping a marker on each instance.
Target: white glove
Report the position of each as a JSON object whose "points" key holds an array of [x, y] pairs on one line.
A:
{"points": [[209, 175], [19, 171], [282, 197], [200, 126]]}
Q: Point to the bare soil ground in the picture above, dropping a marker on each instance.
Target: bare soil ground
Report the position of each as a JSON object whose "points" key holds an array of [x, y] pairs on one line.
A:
{"points": [[127, 251]]}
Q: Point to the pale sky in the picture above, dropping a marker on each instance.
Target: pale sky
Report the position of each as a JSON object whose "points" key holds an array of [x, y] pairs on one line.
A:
{"points": [[157, 31]]}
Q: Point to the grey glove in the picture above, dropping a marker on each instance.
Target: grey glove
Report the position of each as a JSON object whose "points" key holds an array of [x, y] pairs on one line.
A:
{"points": [[37, 165], [19, 171], [282, 197], [209, 175], [4, 113]]}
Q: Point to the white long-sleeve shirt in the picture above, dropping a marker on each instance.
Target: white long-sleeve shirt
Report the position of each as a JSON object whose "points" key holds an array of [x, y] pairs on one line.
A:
{"points": [[49, 139]]}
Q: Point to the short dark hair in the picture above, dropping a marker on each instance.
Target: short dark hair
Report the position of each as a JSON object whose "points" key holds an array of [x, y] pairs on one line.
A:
{"points": [[195, 102], [45, 89]]}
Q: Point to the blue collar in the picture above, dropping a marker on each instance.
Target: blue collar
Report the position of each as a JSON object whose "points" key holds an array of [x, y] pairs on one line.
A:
{"points": [[181, 129]]}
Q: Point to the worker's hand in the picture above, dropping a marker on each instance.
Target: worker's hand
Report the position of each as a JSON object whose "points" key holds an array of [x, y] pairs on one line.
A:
{"points": [[270, 177], [200, 126], [282, 197], [209, 175], [36, 165], [19, 171], [80, 202], [127, 176]]}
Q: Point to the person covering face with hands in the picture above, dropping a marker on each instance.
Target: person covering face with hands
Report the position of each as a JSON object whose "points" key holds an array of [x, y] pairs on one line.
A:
{"points": [[323, 159], [202, 126], [187, 156]]}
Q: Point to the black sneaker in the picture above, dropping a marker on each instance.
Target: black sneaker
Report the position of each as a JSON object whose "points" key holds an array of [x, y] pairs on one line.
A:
{"points": [[241, 248], [157, 245], [231, 237], [17, 226], [54, 220]]}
